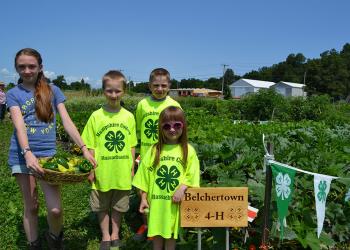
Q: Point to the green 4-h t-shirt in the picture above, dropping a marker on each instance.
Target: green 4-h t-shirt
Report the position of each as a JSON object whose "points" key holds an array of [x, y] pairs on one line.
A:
{"points": [[147, 115], [161, 182], [111, 135]]}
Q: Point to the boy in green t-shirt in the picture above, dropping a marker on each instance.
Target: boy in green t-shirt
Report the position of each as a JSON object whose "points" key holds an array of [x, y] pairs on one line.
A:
{"points": [[147, 115], [110, 135]]}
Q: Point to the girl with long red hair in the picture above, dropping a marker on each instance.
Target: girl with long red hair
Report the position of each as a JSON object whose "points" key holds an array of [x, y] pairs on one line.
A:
{"points": [[33, 105]]}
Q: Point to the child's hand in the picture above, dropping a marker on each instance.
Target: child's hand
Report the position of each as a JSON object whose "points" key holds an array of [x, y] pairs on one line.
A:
{"points": [[143, 206], [179, 193], [33, 163], [91, 177], [87, 155]]}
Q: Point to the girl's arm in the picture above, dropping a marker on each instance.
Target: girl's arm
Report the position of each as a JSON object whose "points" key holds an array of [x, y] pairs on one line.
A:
{"points": [[72, 131], [21, 132], [143, 203], [91, 177], [179, 193], [133, 161]]}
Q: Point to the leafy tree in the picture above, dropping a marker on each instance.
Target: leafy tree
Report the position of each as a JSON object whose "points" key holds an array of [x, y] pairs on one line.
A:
{"points": [[60, 82], [9, 86], [329, 74], [229, 77], [262, 105], [141, 87], [80, 85]]}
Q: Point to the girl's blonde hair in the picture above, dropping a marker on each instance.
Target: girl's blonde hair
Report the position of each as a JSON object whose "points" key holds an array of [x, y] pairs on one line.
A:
{"points": [[171, 113], [43, 92]]}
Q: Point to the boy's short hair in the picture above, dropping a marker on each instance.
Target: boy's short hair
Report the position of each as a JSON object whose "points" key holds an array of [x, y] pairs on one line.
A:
{"points": [[115, 75], [159, 72]]}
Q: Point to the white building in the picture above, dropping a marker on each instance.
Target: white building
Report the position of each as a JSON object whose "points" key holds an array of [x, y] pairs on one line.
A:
{"points": [[245, 86], [289, 88]]}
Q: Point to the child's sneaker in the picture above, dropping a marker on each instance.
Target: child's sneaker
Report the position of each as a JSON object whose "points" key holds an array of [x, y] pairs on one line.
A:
{"points": [[35, 245], [141, 233], [116, 244], [105, 245], [54, 242]]}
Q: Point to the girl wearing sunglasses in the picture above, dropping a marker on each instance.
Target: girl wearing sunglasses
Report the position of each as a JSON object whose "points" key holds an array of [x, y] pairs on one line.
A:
{"points": [[166, 171]]}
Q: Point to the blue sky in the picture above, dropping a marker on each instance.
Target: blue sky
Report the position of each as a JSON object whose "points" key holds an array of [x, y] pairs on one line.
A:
{"points": [[85, 39]]}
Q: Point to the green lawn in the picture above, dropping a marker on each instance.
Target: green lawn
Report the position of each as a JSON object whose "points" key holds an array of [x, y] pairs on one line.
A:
{"points": [[81, 228]]}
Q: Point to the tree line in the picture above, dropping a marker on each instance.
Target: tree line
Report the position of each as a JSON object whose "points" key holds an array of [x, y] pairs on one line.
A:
{"points": [[211, 83], [61, 82], [329, 74]]}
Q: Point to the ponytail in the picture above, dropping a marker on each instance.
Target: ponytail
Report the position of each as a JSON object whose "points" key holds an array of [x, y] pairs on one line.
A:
{"points": [[43, 96]]}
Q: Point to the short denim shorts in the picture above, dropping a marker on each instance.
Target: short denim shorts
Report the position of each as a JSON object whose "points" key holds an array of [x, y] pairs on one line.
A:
{"points": [[20, 169]]}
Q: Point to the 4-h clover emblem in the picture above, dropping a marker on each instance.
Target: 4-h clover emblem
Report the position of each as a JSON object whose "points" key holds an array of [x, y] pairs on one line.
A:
{"points": [[151, 129], [115, 141], [321, 195], [282, 186], [168, 179]]}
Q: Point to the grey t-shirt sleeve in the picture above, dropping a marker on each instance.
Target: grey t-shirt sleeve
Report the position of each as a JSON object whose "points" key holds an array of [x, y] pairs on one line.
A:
{"points": [[58, 95], [11, 99]]}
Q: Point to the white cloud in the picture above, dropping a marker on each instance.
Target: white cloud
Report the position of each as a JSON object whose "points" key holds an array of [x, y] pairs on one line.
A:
{"points": [[86, 79], [96, 84], [70, 79], [50, 74], [5, 72]]}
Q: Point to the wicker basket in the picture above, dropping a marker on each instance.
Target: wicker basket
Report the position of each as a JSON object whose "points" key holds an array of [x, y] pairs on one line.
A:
{"points": [[55, 177]]}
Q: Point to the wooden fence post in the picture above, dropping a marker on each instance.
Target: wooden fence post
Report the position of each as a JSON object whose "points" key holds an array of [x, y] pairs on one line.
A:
{"points": [[267, 200]]}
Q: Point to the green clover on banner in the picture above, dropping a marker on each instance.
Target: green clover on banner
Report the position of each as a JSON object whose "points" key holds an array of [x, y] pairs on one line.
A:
{"points": [[321, 195], [282, 186], [115, 141], [151, 129], [168, 179]]}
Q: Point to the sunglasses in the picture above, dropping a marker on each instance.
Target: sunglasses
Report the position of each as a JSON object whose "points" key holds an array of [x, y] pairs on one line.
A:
{"points": [[174, 125]]}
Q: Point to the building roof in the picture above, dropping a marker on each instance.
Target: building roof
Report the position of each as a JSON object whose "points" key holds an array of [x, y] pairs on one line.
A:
{"points": [[256, 83], [294, 85]]}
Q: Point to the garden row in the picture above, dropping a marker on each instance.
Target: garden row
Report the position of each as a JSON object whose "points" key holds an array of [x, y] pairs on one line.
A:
{"points": [[231, 154]]}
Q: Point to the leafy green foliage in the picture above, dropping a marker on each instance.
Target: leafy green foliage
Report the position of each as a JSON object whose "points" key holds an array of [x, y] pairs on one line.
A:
{"points": [[312, 134]]}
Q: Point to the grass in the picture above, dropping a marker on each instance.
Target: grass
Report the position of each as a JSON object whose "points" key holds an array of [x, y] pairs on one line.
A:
{"points": [[81, 229]]}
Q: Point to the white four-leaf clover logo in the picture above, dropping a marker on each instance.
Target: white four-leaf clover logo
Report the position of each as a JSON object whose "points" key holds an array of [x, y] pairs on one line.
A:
{"points": [[283, 186]]}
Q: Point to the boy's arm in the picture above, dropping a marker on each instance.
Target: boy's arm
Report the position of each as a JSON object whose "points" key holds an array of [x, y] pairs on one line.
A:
{"points": [[133, 161], [138, 118]]}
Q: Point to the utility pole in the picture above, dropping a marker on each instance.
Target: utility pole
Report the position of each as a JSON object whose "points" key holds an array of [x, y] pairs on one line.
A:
{"points": [[129, 78], [223, 78], [304, 76]]}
